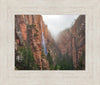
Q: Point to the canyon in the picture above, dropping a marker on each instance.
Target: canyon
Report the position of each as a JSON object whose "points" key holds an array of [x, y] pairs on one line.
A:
{"points": [[31, 31]]}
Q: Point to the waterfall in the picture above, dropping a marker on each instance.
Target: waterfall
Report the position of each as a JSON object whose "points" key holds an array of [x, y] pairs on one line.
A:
{"points": [[44, 46]]}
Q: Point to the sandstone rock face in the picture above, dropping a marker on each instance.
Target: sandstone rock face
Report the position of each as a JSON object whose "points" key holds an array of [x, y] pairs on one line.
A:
{"points": [[45, 64], [72, 41], [31, 28]]}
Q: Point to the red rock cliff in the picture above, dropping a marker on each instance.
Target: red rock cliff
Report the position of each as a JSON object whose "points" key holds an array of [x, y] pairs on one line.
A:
{"points": [[72, 40], [29, 29]]}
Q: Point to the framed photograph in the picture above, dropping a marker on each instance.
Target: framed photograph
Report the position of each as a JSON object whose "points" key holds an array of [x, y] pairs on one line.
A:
{"points": [[49, 42]]}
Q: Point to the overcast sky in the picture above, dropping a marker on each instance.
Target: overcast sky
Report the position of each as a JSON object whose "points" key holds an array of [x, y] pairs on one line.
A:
{"points": [[57, 23]]}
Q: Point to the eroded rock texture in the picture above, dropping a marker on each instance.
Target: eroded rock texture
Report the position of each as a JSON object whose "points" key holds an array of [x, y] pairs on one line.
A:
{"points": [[72, 40], [29, 30]]}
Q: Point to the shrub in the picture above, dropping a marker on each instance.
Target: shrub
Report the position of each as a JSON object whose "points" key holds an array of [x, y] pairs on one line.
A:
{"points": [[81, 62], [28, 62], [31, 26], [49, 58], [65, 62], [35, 35], [57, 67]]}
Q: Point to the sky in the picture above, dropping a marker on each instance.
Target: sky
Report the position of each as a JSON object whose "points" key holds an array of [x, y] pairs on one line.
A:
{"points": [[57, 23]]}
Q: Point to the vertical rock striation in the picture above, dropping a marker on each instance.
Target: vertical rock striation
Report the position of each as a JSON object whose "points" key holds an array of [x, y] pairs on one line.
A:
{"points": [[72, 40], [29, 32]]}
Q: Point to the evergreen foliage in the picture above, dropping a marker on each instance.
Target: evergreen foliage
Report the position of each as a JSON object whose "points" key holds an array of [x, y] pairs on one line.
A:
{"points": [[28, 62], [57, 67], [65, 62], [31, 25], [81, 65], [49, 58]]}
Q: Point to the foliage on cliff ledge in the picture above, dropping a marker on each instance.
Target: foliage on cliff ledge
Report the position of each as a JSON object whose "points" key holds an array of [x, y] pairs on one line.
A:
{"points": [[28, 62], [31, 25], [49, 58]]}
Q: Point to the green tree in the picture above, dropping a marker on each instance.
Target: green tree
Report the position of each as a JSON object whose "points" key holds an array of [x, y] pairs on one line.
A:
{"points": [[28, 62], [49, 58], [57, 67], [81, 62], [66, 62]]}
